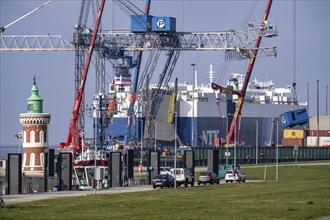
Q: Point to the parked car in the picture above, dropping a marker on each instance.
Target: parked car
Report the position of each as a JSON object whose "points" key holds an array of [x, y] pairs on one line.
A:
{"points": [[223, 168], [165, 170], [208, 177], [239, 176], [183, 176], [163, 180]]}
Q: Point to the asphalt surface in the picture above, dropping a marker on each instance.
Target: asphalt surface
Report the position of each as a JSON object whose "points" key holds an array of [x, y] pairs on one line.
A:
{"points": [[19, 198]]}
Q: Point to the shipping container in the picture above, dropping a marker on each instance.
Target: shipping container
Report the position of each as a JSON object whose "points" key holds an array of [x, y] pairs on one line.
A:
{"points": [[140, 23], [321, 133], [324, 123], [323, 141], [163, 24], [293, 133], [291, 142]]}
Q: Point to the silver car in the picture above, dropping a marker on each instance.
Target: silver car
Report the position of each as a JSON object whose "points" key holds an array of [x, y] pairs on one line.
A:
{"points": [[208, 177]]}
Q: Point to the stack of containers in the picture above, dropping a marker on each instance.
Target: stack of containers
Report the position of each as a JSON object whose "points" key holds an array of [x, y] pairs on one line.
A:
{"points": [[319, 132], [293, 137]]}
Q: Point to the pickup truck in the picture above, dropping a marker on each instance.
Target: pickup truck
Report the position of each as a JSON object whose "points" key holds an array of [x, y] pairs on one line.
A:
{"points": [[183, 176]]}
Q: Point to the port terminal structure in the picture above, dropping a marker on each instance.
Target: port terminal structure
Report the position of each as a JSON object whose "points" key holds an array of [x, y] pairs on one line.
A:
{"points": [[121, 47]]}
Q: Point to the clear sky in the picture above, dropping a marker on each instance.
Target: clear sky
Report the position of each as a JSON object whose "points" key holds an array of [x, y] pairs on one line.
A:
{"points": [[55, 70]]}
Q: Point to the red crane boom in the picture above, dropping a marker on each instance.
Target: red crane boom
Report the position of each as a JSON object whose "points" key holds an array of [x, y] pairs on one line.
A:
{"points": [[73, 141], [241, 94]]}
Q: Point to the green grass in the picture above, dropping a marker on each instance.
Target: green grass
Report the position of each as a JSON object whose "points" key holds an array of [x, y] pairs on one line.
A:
{"points": [[301, 193]]}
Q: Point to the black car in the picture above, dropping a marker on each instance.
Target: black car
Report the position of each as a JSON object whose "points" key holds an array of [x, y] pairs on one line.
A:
{"points": [[163, 180], [208, 177]]}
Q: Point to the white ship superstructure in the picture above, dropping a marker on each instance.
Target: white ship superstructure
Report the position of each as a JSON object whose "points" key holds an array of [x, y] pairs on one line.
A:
{"points": [[212, 110]]}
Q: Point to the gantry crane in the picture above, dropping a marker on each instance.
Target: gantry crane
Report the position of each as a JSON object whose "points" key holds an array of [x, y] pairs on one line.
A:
{"points": [[234, 43], [116, 45]]}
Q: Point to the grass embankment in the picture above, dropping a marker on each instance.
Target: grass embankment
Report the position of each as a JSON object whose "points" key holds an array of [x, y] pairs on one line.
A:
{"points": [[300, 193]]}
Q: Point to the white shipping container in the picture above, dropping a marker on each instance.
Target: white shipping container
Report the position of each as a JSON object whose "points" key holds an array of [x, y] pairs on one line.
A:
{"points": [[312, 141], [324, 123], [324, 141]]}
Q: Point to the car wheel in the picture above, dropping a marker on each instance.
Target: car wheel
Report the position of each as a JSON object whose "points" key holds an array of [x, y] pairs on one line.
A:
{"points": [[218, 182], [226, 181], [199, 183], [154, 187], [192, 183], [185, 184], [211, 182]]}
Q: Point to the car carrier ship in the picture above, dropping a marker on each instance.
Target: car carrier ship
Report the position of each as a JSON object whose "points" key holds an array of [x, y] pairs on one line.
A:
{"points": [[213, 111]]}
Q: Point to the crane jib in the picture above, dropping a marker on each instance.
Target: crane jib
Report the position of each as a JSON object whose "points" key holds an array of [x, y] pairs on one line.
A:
{"points": [[247, 77], [72, 138]]}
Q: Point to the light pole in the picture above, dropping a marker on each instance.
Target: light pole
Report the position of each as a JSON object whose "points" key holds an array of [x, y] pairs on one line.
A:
{"points": [[141, 120], [308, 98], [193, 106], [257, 135], [175, 149], [226, 138], [82, 135], [95, 150], [235, 154], [155, 135], [276, 149], [18, 135]]}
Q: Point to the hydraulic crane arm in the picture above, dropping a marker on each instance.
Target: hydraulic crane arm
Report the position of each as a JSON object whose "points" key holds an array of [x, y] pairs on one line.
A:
{"points": [[241, 96], [227, 90], [72, 140]]}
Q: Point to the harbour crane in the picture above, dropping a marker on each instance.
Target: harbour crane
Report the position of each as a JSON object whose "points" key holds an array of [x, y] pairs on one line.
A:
{"points": [[72, 141], [234, 43], [241, 94], [120, 44]]}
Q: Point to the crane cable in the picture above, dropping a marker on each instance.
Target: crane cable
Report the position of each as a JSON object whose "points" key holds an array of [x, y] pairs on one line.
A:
{"points": [[249, 13]]}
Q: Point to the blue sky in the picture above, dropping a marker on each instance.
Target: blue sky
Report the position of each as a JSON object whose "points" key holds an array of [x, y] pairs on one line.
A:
{"points": [[55, 70]]}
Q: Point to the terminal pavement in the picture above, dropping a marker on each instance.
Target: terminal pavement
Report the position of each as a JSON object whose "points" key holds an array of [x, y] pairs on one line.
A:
{"points": [[12, 199], [19, 198]]}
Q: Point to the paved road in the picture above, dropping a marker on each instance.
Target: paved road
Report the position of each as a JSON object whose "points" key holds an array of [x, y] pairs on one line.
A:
{"points": [[11, 199]]}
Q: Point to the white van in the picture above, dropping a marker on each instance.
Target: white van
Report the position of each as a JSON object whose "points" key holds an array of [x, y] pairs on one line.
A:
{"points": [[183, 176]]}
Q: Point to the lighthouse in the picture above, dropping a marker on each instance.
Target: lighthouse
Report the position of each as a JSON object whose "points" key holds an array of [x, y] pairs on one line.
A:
{"points": [[34, 134]]}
